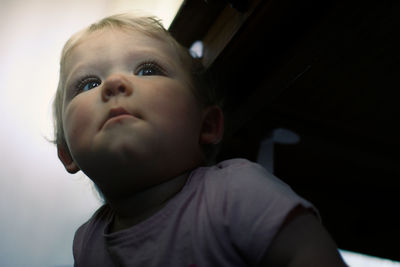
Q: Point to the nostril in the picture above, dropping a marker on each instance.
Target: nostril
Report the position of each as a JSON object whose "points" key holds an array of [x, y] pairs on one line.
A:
{"points": [[121, 89], [109, 92]]}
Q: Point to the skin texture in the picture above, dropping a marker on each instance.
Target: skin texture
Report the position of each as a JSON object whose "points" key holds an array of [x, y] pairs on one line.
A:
{"points": [[131, 122], [301, 242]]}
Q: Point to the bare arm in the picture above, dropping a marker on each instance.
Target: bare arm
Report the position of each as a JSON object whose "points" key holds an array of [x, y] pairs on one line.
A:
{"points": [[302, 242]]}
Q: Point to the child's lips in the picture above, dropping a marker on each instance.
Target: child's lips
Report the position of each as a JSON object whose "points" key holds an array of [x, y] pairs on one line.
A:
{"points": [[116, 115]]}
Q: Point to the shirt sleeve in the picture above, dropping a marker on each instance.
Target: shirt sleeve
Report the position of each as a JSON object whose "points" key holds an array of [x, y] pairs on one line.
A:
{"points": [[253, 207]]}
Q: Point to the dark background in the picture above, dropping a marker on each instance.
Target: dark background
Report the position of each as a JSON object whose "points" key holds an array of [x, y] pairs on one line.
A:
{"points": [[329, 71]]}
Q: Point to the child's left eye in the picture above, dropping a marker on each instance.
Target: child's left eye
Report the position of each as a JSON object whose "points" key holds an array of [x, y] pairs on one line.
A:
{"points": [[150, 69]]}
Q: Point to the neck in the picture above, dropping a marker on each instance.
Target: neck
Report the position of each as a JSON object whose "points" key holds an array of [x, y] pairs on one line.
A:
{"points": [[134, 209]]}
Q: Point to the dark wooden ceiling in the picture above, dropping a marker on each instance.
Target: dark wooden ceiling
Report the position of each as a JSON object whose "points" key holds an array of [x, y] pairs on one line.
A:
{"points": [[328, 71]]}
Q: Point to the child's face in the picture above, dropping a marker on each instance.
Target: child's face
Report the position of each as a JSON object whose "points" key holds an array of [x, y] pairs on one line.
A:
{"points": [[128, 110]]}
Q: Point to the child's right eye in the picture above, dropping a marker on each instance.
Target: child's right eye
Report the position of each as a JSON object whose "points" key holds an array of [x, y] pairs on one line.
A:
{"points": [[87, 84]]}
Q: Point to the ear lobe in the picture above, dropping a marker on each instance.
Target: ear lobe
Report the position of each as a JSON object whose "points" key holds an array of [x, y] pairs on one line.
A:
{"points": [[212, 128], [66, 159]]}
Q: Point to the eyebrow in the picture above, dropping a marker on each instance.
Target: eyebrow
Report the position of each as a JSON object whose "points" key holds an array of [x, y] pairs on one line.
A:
{"points": [[164, 57], [141, 54]]}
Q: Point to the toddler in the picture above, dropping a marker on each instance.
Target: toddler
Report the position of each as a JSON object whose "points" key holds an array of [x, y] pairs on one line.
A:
{"points": [[132, 112]]}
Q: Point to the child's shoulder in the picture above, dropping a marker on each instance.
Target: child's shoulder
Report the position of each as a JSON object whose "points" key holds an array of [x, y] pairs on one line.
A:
{"points": [[239, 178], [237, 166], [239, 171], [235, 163], [243, 181]]}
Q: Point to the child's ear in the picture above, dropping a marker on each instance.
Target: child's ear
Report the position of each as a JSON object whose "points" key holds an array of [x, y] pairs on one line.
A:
{"points": [[65, 156], [212, 128]]}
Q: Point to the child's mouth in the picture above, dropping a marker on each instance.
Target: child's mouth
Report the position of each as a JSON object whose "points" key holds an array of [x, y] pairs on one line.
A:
{"points": [[116, 115]]}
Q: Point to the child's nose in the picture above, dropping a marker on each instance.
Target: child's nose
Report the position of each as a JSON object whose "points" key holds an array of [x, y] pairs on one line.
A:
{"points": [[115, 85]]}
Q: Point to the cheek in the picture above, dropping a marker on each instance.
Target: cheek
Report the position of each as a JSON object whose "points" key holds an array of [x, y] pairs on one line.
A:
{"points": [[176, 107], [180, 118], [77, 122]]}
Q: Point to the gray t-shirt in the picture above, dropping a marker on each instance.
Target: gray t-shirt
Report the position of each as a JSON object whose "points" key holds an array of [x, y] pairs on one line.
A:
{"points": [[225, 215]]}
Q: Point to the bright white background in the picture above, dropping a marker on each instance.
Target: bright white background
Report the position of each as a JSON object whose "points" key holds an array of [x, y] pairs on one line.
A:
{"points": [[41, 205]]}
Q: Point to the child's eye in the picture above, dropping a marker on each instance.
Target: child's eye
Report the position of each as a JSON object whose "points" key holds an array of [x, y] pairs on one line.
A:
{"points": [[90, 85], [87, 84], [149, 69]]}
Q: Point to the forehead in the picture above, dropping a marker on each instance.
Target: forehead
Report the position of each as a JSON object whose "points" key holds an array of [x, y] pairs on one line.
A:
{"points": [[112, 42]]}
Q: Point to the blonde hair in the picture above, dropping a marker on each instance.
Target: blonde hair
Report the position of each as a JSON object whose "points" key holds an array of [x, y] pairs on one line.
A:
{"points": [[150, 26]]}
